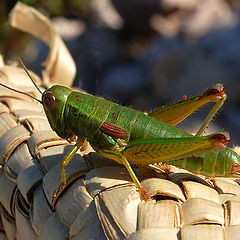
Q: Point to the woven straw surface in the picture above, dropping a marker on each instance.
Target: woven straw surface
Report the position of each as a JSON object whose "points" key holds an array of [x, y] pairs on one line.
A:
{"points": [[99, 201]]}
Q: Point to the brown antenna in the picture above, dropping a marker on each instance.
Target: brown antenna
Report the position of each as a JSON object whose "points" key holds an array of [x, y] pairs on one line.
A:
{"points": [[29, 95], [27, 72]]}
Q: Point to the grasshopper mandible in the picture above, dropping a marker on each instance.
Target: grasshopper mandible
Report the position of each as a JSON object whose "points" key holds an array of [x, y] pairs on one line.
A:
{"points": [[124, 134]]}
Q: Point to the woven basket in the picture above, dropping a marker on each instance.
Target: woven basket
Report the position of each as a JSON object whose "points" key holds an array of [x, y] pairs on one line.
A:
{"points": [[99, 201]]}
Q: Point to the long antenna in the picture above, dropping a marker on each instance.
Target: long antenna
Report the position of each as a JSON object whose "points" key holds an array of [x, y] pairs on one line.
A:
{"points": [[29, 95], [27, 72]]}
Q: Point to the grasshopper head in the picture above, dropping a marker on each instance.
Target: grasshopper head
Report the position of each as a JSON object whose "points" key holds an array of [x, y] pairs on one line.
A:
{"points": [[54, 101]]}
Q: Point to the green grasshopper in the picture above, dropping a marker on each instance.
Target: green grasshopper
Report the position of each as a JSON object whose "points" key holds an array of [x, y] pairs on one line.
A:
{"points": [[124, 134]]}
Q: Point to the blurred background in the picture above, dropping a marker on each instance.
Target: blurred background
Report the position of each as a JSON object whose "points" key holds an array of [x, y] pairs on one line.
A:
{"points": [[143, 53]]}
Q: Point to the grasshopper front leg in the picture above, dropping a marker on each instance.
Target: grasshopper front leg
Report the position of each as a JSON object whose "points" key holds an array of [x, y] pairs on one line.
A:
{"points": [[81, 143]]}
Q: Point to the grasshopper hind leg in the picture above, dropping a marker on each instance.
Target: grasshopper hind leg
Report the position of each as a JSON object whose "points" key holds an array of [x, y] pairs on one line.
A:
{"points": [[221, 97], [176, 113]]}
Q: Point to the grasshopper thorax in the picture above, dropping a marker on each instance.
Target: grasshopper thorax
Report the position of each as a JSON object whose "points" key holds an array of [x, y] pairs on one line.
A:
{"points": [[54, 101]]}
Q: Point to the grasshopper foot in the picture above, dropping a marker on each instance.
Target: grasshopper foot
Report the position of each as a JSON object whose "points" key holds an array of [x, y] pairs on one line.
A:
{"points": [[143, 194], [58, 191]]}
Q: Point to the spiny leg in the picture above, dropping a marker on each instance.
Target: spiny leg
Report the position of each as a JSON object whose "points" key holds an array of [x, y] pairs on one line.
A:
{"points": [[175, 113], [118, 157], [149, 151], [67, 158], [211, 114]]}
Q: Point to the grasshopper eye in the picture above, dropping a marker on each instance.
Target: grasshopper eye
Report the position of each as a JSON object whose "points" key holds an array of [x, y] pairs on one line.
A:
{"points": [[49, 100]]}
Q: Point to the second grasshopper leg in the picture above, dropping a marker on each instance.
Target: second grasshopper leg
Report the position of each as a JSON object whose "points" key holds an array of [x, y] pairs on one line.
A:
{"points": [[118, 157]]}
